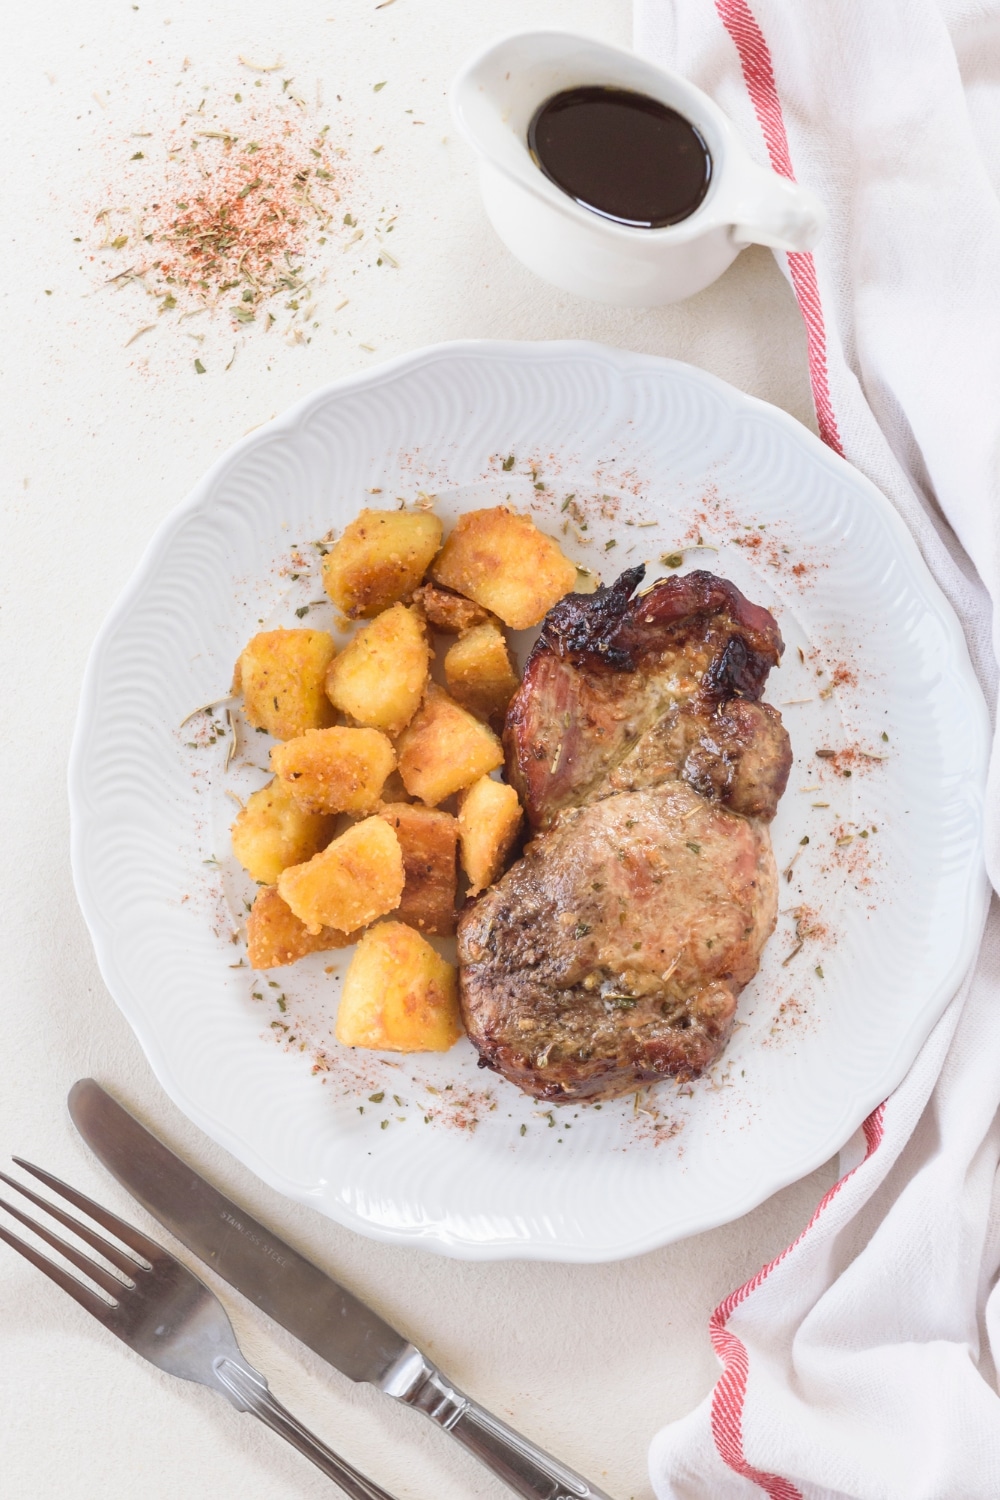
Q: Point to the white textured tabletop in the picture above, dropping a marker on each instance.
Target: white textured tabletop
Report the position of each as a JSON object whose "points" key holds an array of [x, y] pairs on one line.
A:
{"points": [[104, 429]]}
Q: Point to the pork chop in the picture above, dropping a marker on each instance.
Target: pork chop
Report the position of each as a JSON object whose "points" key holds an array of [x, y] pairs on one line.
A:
{"points": [[613, 952]]}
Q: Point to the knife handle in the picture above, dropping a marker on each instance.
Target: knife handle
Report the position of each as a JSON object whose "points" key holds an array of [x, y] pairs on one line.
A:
{"points": [[529, 1470]]}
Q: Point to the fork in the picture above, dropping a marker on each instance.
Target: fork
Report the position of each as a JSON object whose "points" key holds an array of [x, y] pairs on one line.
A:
{"points": [[166, 1314]]}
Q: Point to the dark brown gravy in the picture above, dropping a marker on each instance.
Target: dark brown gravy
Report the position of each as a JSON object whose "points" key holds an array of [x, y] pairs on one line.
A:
{"points": [[623, 155]]}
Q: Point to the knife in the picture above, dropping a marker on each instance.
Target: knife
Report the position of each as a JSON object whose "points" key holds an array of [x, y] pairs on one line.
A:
{"points": [[304, 1300]]}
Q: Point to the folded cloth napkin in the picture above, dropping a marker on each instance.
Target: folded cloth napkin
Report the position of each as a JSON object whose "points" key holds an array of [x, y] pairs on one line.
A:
{"points": [[862, 1362]]}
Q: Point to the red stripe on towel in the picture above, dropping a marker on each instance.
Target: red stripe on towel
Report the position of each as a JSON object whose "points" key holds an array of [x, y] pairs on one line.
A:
{"points": [[758, 73], [730, 1390]]}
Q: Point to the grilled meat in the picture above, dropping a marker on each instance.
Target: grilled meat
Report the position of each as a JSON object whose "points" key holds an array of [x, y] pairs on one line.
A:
{"points": [[613, 953]]}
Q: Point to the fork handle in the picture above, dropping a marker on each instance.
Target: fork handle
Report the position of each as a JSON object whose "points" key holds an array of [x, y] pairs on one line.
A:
{"points": [[249, 1391]]}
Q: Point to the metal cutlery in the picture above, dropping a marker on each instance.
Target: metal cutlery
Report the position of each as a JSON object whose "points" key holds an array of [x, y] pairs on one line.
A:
{"points": [[161, 1310], [305, 1300]]}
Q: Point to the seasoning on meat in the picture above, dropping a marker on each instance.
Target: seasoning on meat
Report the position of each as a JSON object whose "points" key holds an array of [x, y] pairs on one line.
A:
{"points": [[613, 953]]}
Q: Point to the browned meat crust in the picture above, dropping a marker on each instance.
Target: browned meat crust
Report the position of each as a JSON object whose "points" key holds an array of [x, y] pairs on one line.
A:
{"points": [[613, 953], [607, 668]]}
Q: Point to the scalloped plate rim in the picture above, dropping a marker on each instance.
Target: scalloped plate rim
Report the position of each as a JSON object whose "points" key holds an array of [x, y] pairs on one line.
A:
{"points": [[436, 1238]]}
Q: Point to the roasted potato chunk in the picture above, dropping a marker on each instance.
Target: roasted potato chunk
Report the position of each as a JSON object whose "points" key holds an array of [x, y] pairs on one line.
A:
{"points": [[399, 994], [356, 878], [335, 770], [428, 839], [480, 674], [394, 790], [448, 612], [276, 937], [381, 557], [379, 679], [273, 832], [281, 674], [489, 819], [443, 749], [503, 562]]}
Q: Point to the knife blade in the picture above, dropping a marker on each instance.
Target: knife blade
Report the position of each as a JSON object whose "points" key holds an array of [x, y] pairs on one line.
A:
{"points": [[307, 1302]]}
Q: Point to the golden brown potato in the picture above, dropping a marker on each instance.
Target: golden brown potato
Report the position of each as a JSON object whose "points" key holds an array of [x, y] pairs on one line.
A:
{"points": [[448, 612], [335, 770], [399, 994], [428, 839], [275, 936], [379, 678], [381, 557], [480, 674], [443, 749], [273, 832], [281, 674], [488, 822], [503, 562], [356, 878]]}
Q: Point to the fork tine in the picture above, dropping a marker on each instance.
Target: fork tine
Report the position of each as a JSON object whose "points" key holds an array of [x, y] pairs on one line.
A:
{"points": [[76, 1257], [127, 1233], [104, 1247], [76, 1289]]}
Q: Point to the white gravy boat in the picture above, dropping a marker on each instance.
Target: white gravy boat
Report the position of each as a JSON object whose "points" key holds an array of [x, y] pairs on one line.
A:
{"points": [[494, 99]]}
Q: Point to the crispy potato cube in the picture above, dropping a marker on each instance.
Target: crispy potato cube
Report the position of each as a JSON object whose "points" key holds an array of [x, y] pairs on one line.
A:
{"points": [[480, 674], [379, 679], [448, 612], [443, 749], [489, 819], [399, 994], [276, 937], [335, 770], [428, 839], [356, 878], [281, 674], [273, 832], [502, 561], [381, 557]]}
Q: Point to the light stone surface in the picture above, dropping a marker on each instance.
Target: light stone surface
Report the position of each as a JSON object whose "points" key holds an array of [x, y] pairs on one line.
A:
{"points": [[98, 442]]}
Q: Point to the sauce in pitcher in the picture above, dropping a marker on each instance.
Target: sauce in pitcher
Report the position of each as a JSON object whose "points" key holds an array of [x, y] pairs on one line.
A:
{"points": [[621, 154]]}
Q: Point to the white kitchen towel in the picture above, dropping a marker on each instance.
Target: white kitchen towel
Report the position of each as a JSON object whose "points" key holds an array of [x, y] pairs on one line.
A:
{"points": [[863, 1362]]}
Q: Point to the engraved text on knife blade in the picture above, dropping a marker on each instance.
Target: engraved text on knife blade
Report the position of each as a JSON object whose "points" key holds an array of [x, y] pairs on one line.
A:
{"points": [[254, 1238]]}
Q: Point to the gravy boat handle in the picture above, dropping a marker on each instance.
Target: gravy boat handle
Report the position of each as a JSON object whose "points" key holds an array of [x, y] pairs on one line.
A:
{"points": [[777, 212]]}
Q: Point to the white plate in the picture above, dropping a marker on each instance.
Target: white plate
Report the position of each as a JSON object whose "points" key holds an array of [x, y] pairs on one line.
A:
{"points": [[463, 1163]]}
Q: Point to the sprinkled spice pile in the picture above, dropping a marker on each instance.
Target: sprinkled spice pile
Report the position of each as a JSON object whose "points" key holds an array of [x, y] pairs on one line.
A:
{"points": [[240, 224], [228, 209], [233, 218]]}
